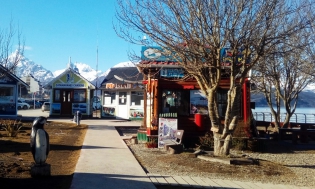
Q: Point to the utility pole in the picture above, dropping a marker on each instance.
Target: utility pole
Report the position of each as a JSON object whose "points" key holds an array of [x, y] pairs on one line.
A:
{"points": [[96, 76]]}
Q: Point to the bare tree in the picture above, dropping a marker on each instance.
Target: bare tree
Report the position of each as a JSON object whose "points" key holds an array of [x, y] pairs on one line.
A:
{"points": [[196, 31], [10, 41], [283, 75]]}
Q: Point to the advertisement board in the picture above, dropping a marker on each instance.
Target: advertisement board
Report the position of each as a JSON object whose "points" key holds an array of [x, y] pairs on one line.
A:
{"points": [[198, 102], [79, 107], [167, 130]]}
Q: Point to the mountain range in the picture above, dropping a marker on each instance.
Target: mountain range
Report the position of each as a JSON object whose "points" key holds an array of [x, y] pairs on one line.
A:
{"points": [[306, 99], [26, 67]]}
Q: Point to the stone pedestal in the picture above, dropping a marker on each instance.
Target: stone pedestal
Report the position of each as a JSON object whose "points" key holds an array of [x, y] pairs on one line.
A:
{"points": [[43, 170]]}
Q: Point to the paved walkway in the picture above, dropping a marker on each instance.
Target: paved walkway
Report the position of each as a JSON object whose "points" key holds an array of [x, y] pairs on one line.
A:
{"points": [[106, 162]]}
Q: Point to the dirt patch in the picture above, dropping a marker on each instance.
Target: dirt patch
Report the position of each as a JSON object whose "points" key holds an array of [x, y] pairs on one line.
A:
{"points": [[16, 158], [66, 141]]}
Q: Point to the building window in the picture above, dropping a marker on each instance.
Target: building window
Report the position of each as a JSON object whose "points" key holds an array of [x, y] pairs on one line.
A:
{"points": [[7, 100], [136, 98], [122, 98], [57, 96], [6, 91], [109, 98], [222, 102], [175, 101], [79, 96]]}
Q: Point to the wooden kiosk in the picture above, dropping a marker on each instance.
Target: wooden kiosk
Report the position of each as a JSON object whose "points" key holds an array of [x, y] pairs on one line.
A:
{"points": [[171, 95], [122, 94], [69, 93]]}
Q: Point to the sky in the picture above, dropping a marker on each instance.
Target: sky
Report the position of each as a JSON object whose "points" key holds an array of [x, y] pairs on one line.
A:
{"points": [[55, 30]]}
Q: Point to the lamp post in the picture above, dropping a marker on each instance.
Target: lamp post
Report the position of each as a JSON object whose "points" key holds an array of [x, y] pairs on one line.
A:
{"points": [[34, 99]]}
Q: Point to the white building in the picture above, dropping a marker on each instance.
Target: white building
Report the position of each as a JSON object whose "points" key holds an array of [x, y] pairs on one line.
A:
{"points": [[35, 86]]}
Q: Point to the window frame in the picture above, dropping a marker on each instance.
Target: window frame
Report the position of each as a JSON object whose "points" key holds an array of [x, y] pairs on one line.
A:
{"points": [[112, 95], [79, 93]]}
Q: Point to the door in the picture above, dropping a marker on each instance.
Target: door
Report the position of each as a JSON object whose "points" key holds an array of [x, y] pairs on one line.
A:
{"points": [[66, 104], [122, 106]]}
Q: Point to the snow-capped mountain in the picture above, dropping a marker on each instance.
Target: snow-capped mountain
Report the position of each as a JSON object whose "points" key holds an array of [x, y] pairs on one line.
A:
{"points": [[85, 70], [310, 88], [26, 67]]}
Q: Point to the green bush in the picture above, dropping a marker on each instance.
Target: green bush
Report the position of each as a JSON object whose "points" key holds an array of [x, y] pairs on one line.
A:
{"points": [[12, 127]]}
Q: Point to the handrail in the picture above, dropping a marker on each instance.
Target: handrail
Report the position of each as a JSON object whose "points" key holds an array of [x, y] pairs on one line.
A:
{"points": [[295, 118]]}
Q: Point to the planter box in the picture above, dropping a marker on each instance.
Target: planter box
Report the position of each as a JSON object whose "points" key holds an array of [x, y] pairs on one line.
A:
{"points": [[142, 136]]}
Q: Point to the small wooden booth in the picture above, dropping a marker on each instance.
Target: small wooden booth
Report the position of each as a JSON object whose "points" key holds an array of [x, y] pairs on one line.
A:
{"points": [[122, 94], [69, 93], [10, 86], [175, 102]]}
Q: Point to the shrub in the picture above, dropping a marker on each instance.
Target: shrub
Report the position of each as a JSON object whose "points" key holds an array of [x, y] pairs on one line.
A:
{"points": [[206, 142], [239, 143], [12, 127]]}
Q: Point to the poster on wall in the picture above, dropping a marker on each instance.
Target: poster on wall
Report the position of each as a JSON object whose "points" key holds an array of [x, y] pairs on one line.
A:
{"points": [[167, 130], [136, 113], [198, 102], [108, 112], [79, 107], [55, 108]]}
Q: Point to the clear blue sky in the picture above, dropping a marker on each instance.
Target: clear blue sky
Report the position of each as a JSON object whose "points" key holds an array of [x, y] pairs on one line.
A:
{"points": [[55, 30]]}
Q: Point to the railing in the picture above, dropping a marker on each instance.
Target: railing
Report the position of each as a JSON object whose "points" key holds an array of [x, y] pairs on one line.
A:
{"points": [[296, 117]]}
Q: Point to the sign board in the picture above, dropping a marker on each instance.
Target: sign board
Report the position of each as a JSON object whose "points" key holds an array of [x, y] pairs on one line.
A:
{"points": [[198, 102], [82, 107], [69, 85], [227, 56], [6, 99], [167, 130], [70, 80], [55, 108], [154, 53], [172, 72]]}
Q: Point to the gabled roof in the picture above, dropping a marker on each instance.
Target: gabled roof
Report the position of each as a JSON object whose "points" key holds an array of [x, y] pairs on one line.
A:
{"points": [[48, 85], [12, 76], [118, 75]]}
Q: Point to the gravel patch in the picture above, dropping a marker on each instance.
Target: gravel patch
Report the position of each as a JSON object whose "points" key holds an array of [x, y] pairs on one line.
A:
{"points": [[282, 163]]}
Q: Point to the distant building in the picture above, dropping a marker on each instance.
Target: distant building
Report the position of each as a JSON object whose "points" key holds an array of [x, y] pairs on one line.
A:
{"points": [[35, 85], [122, 94], [10, 85], [69, 93]]}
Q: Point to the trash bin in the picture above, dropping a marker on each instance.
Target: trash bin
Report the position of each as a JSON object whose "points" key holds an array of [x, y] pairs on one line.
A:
{"points": [[77, 117], [199, 120]]}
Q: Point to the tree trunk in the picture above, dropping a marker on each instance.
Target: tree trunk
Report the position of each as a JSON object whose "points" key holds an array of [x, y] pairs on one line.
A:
{"points": [[223, 133], [222, 146]]}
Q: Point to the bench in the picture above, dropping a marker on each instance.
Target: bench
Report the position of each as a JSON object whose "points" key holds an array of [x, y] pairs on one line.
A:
{"points": [[303, 134], [174, 146]]}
